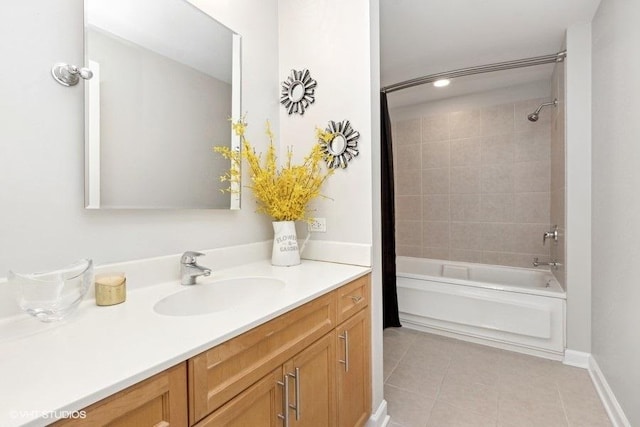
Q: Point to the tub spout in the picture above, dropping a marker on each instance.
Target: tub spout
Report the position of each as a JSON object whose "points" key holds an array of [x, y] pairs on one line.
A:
{"points": [[552, 264]]}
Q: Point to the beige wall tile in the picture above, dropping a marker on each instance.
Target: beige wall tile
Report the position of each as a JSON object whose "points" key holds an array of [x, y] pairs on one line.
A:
{"points": [[435, 253], [497, 149], [465, 207], [532, 146], [408, 157], [435, 155], [465, 179], [435, 207], [408, 208], [406, 132], [485, 178], [435, 234], [464, 124], [466, 235], [435, 181], [412, 251], [408, 182], [465, 255], [497, 120], [532, 176], [495, 236], [497, 207], [497, 178], [435, 128], [408, 233], [527, 238], [532, 207], [465, 152], [511, 259]]}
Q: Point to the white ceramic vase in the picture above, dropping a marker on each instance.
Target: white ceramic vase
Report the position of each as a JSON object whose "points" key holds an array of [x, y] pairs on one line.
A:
{"points": [[285, 244]]}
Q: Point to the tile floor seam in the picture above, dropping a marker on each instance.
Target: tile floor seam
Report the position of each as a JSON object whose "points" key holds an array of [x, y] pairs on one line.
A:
{"points": [[437, 398], [564, 408]]}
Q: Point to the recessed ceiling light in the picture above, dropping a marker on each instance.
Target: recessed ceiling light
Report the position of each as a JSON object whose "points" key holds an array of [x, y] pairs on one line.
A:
{"points": [[442, 83]]}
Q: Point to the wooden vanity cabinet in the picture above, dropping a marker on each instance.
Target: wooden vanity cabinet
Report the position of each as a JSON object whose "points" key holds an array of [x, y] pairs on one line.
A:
{"points": [[160, 401], [353, 372], [325, 381], [310, 366]]}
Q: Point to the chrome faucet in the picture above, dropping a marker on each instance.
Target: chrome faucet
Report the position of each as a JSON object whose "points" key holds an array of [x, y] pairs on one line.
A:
{"points": [[189, 268], [552, 264], [553, 234]]}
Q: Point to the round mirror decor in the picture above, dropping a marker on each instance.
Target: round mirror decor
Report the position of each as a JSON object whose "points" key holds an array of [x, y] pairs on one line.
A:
{"points": [[342, 146], [298, 91]]}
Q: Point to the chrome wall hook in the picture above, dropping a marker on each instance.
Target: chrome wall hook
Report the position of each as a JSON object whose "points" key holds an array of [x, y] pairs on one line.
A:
{"points": [[69, 75]]}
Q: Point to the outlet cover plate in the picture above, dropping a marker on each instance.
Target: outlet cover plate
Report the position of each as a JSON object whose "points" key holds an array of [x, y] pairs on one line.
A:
{"points": [[318, 225]]}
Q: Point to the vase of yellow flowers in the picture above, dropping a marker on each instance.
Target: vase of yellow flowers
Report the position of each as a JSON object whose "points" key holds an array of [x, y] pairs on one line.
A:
{"points": [[282, 191]]}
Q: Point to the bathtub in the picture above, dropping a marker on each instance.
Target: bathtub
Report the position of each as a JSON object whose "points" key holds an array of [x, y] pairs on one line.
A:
{"points": [[517, 309]]}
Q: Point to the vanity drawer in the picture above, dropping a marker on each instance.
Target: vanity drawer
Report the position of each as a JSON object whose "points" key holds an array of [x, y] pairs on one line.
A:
{"points": [[353, 297], [219, 374]]}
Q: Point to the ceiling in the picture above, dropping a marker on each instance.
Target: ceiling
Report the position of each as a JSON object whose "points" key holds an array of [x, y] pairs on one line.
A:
{"points": [[422, 37]]}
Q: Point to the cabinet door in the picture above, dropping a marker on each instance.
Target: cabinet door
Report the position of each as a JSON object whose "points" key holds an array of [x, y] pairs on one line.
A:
{"points": [[354, 373], [261, 405], [311, 377], [159, 401]]}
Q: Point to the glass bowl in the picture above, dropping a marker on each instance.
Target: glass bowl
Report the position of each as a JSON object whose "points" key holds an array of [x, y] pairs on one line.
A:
{"points": [[52, 295]]}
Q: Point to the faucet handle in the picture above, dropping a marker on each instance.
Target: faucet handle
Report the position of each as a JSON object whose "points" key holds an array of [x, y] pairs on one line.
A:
{"points": [[190, 257], [553, 234]]}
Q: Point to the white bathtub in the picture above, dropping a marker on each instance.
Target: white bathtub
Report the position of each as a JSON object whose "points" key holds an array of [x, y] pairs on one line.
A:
{"points": [[518, 309]]}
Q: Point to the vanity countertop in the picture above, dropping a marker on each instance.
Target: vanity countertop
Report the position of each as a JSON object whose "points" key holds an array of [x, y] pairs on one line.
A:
{"points": [[99, 351]]}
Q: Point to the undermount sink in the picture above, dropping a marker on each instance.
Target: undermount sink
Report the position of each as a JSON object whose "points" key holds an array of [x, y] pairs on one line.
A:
{"points": [[218, 296]]}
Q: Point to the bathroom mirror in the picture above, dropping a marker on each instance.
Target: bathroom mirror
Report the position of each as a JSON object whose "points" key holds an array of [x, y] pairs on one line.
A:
{"points": [[166, 81]]}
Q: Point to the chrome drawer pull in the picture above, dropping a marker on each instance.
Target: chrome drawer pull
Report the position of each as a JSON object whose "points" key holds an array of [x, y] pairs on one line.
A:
{"points": [[285, 405], [345, 337], [296, 407]]}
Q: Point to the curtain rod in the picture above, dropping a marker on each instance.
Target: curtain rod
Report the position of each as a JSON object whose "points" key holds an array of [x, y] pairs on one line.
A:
{"points": [[499, 66]]}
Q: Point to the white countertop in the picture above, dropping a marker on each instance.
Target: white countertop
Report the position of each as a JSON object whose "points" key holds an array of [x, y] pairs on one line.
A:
{"points": [[101, 350]]}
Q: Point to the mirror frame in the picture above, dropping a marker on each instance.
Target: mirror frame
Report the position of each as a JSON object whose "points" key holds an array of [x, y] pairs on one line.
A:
{"points": [[350, 150], [298, 79]]}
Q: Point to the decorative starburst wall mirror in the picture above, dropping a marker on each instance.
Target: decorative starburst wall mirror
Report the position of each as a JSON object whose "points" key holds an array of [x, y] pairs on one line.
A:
{"points": [[298, 92], [339, 150]]}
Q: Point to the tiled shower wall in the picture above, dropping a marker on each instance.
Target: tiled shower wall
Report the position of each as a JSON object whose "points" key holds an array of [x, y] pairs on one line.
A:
{"points": [[558, 182], [474, 185]]}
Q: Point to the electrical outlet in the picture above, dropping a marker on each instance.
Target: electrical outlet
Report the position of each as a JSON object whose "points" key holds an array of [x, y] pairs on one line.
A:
{"points": [[318, 225]]}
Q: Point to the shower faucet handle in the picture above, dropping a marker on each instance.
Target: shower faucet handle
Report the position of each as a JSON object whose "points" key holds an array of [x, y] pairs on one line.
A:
{"points": [[553, 234]]}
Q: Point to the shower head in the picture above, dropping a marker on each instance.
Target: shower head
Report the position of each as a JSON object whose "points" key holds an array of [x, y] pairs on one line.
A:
{"points": [[533, 117]]}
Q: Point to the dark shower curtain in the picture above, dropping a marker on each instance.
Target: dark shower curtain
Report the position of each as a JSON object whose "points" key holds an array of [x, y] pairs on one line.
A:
{"points": [[389, 295]]}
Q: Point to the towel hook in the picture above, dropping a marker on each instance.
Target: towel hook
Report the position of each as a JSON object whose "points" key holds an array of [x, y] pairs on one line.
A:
{"points": [[69, 75]]}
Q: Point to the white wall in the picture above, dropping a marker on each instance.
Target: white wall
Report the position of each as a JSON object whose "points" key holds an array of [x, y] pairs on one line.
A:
{"points": [[42, 220], [338, 42], [578, 182], [331, 39], [616, 200]]}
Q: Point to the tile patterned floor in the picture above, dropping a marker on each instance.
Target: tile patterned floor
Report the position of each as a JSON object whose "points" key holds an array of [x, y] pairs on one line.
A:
{"points": [[433, 381]]}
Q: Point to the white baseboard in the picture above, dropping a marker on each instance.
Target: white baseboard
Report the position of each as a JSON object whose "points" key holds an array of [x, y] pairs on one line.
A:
{"points": [[379, 418], [579, 359], [611, 405]]}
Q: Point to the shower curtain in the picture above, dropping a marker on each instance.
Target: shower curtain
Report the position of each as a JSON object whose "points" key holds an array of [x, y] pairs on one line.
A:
{"points": [[389, 294]]}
